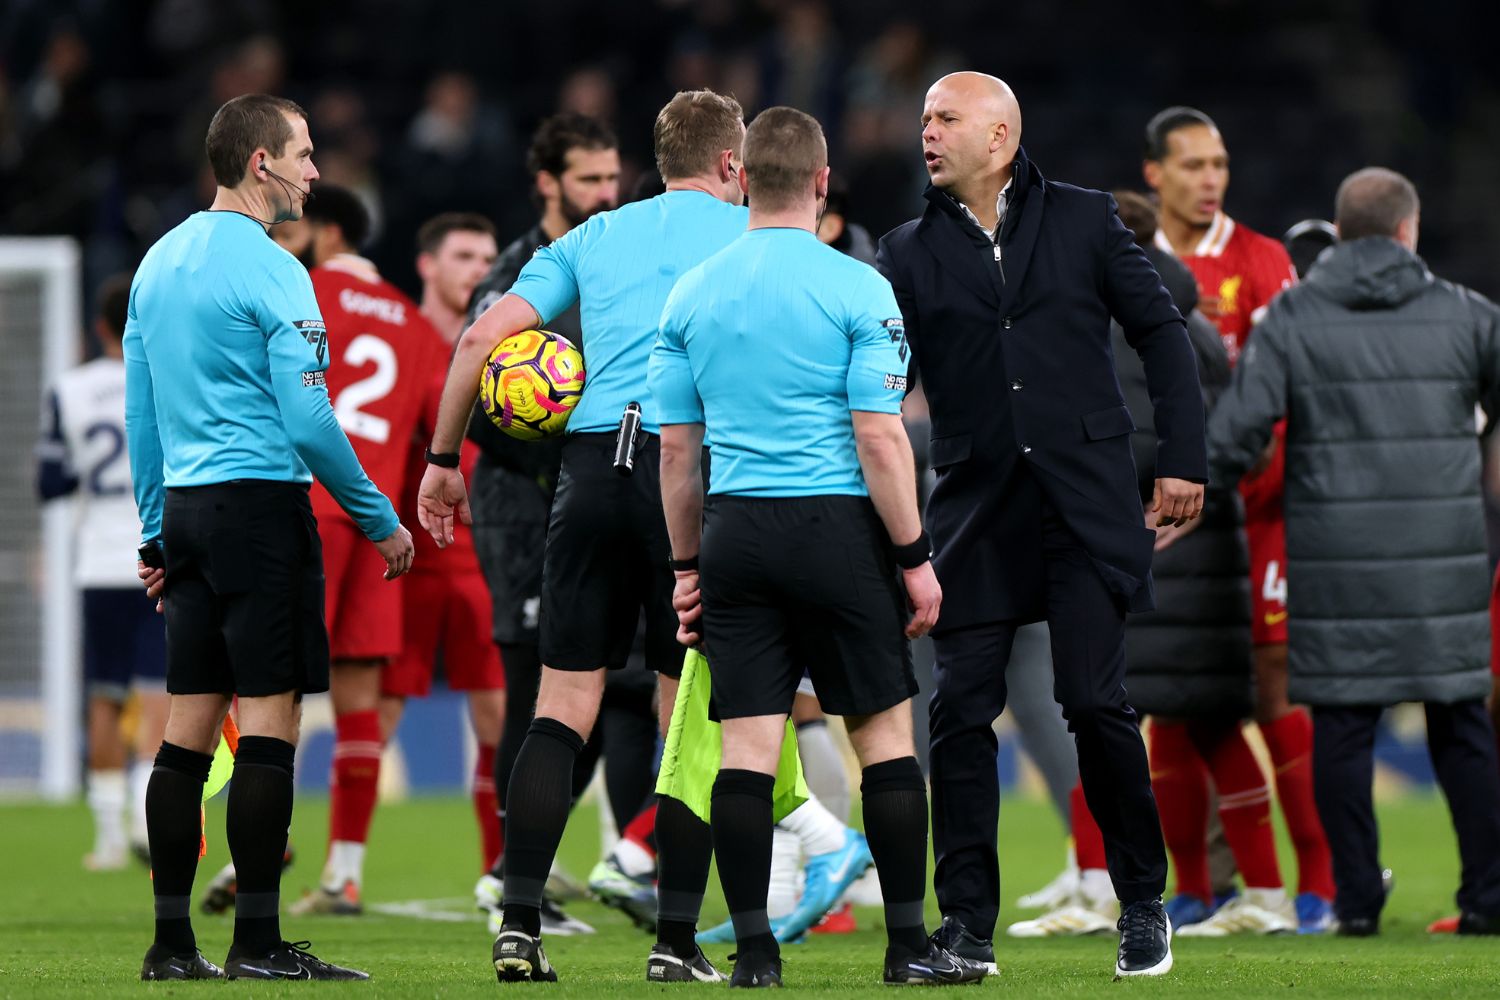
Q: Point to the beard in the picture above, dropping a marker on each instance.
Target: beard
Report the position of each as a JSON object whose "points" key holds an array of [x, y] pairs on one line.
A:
{"points": [[575, 215]]}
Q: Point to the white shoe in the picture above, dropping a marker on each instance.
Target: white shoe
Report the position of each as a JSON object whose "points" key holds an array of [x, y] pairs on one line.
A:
{"points": [[1251, 912], [1073, 920], [109, 858], [488, 892], [1055, 894]]}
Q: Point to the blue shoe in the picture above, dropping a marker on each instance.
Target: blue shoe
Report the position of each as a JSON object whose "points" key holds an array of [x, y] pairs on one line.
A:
{"points": [[1184, 909], [1314, 914], [828, 877]]}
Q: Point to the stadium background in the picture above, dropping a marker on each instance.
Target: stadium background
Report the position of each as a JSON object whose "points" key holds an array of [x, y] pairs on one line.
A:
{"points": [[427, 107]]}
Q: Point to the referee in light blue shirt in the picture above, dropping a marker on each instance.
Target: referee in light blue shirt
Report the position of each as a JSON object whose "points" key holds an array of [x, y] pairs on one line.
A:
{"points": [[606, 559], [227, 419], [792, 358]]}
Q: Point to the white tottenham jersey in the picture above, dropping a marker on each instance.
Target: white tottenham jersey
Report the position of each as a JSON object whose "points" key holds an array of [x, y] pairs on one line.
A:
{"points": [[83, 453]]}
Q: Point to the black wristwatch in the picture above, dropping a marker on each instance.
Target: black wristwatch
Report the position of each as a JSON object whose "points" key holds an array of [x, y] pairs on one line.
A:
{"points": [[914, 554], [442, 459], [688, 565]]}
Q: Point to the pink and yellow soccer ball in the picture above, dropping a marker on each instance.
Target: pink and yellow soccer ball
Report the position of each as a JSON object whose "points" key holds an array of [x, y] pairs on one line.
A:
{"points": [[531, 383]]}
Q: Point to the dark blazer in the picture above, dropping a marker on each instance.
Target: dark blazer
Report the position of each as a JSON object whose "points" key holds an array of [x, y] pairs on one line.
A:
{"points": [[1016, 362]]}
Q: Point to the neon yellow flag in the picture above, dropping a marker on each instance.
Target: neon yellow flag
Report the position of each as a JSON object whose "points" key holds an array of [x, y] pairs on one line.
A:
{"points": [[690, 761]]}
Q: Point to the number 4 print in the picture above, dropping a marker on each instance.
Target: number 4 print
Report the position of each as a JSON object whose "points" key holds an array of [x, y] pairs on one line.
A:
{"points": [[1273, 588]]}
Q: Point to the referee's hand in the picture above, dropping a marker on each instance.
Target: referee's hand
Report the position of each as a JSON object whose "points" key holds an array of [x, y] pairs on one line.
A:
{"points": [[397, 551], [442, 497], [154, 580], [687, 601], [925, 596]]}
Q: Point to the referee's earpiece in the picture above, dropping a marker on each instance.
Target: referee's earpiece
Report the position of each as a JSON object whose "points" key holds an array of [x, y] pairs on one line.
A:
{"points": [[262, 168]]}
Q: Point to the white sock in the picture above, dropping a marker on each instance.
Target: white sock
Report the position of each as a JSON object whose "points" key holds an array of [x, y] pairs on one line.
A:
{"points": [[140, 776], [106, 798], [786, 871], [633, 859], [819, 830], [1097, 890], [346, 863], [824, 766]]}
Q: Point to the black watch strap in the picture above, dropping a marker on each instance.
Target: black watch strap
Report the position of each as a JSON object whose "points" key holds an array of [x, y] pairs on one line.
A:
{"points": [[688, 565], [442, 459], [914, 554]]}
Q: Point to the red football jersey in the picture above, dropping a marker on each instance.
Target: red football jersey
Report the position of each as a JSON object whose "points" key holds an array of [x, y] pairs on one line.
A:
{"points": [[382, 354], [459, 557], [1239, 272]]}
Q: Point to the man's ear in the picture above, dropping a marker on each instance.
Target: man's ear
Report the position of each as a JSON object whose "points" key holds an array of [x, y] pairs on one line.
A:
{"points": [[820, 182], [547, 185], [1151, 171], [999, 136], [425, 263]]}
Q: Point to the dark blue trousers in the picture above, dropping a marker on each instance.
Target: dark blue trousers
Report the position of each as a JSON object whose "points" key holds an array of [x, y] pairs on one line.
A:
{"points": [[1087, 623], [1461, 742]]}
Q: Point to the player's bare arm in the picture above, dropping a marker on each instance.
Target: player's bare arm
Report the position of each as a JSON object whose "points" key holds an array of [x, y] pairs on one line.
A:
{"points": [[890, 474], [682, 501], [442, 495]]}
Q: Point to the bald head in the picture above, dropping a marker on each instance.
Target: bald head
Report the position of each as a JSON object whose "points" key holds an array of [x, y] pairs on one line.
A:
{"points": [[971, 128], [1376, 202]]}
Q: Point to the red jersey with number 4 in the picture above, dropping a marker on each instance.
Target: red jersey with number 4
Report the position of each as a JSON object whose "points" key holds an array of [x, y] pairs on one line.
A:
{"points": [[1239, 272], [382, 354]]}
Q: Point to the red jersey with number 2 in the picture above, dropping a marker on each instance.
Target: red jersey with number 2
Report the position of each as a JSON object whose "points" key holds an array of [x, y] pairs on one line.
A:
{"points": [[382, 355]]}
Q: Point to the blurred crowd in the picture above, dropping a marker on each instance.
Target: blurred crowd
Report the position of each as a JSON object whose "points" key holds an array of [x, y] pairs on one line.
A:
{"points": [[424, 108]]}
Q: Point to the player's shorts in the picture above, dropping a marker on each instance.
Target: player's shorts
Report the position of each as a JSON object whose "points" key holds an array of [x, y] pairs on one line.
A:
{"points": [[364, 608], [1267, 543], [607, 561], [448, 612], [805, 581], [510, 535], [124, 640], [244, 590]]}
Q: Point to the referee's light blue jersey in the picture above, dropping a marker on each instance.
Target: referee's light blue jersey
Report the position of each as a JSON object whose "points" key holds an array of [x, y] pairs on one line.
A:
{"points": [[225, 351], [771, 344], [619, 266]]}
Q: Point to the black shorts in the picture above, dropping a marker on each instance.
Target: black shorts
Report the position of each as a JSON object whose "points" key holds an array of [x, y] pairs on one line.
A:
{"points": [[510, 534], [244, 590], [804, 582], [606, 563], [124, 640]]}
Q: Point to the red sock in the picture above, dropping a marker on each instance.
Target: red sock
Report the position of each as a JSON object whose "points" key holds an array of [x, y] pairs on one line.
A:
{"points": [[1088, 839], [642, 829], [1180, 782], [487, 806], [1290, 740], [1244, 806], [356, 776]]}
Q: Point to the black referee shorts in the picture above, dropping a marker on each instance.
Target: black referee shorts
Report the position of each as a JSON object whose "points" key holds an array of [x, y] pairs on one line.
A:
{"points": [[244, 590], [606, 563], [803, 582]]}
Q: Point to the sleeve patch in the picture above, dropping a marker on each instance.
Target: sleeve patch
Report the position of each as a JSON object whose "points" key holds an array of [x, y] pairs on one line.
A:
{"points": [[895, 382], [316, 334], [315, 379]]}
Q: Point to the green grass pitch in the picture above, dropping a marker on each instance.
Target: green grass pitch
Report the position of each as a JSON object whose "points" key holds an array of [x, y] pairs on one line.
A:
{"points": [[67, 933]]}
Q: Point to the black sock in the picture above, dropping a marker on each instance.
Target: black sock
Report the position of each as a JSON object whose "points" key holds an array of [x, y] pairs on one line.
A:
{"points": [[895, 806], [686, 848], [260, 812], [742, 826], [174, 826], [537, 809]]}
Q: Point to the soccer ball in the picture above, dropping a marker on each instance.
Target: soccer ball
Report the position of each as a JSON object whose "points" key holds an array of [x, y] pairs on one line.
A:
{"points": [[531, 383]]}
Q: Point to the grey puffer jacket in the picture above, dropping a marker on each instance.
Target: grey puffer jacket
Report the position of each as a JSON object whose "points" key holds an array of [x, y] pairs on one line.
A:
{"points": [[1378, 366]]}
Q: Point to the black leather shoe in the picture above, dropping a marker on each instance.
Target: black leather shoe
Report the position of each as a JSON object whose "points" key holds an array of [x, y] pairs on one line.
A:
{"points": [[934, 966], [1478, 923], [160, 964], [953, 936], [519, 958], [285, 961], [1145, 940], [1359, 926], [756, 970]]}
